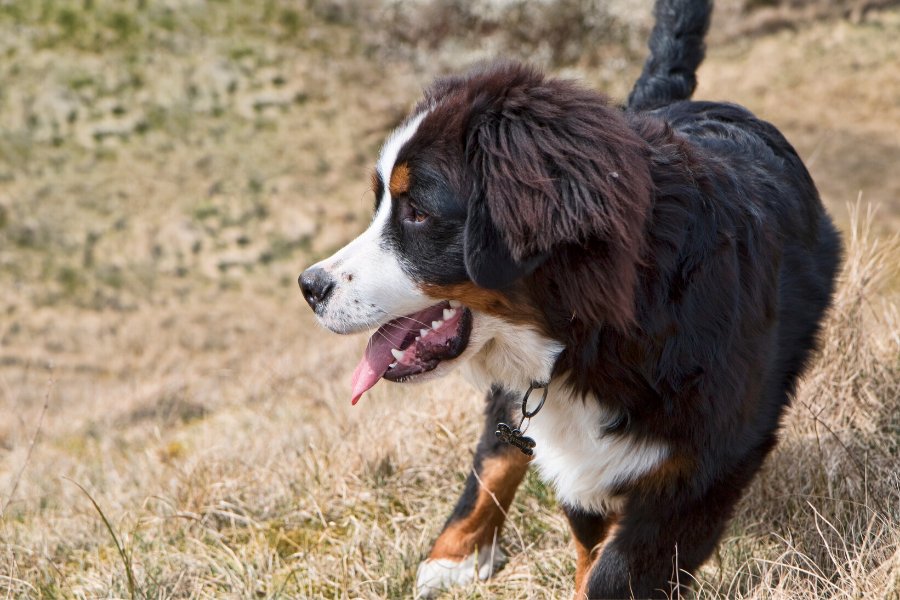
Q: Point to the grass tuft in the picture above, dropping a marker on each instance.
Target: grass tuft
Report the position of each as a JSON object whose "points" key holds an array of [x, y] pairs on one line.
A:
{"points": [[123, 555]]}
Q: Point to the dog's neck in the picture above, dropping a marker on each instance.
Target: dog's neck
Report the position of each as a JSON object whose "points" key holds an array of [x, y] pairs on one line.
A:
{"points": [[515, 356]]}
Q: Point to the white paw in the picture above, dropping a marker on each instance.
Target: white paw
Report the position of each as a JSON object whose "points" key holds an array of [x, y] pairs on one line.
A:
{"points": [[436, 574]]}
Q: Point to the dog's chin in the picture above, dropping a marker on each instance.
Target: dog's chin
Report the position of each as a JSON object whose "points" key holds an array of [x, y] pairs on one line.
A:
{"points": [[441, 369]]}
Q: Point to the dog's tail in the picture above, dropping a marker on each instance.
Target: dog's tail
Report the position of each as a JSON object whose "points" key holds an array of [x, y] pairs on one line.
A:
{"points": [[676, 50]]}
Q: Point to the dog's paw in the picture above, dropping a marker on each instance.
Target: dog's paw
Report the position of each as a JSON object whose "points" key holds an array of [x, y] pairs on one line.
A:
{"points": [[436, 574]]}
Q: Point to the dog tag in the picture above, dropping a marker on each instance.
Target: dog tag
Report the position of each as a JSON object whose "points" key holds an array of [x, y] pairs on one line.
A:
{"points": [[515, 438]]}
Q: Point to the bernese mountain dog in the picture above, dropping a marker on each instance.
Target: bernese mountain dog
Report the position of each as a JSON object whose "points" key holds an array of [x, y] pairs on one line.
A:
{"points": [[657, 272]]}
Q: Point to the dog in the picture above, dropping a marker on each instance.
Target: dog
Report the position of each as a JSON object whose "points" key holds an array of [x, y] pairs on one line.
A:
{"points": [[658, 273]]}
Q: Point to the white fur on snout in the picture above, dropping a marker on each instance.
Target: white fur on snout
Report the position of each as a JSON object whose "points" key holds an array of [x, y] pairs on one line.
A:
{"points": [[371, 286], [436, 574]]}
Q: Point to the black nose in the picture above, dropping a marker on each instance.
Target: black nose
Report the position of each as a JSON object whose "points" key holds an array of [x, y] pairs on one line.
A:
{"points": [[316, 285]]}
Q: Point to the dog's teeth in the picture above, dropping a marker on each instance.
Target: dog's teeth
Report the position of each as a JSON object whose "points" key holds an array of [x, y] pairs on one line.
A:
{"points": [[448, 313], [398, 354], [392, 365], [424, 332], [455, 303], [436, 324]]}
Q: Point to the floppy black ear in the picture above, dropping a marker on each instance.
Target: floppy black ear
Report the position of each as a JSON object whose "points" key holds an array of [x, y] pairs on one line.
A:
{"points": [[552, 166], [508, 171], [489, 262]]}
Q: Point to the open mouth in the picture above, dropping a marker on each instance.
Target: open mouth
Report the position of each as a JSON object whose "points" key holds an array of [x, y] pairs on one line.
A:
{"points": [[409, 346]]}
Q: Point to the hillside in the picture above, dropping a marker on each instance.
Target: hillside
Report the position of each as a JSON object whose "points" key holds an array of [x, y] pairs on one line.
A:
{"points": [[168, 169]]}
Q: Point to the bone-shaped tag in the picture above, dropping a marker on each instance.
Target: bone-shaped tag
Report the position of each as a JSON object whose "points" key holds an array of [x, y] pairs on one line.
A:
{"points": [[515, 438]]}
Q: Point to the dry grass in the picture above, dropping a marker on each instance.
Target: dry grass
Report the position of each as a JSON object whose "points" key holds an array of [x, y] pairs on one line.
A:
{"points": [[287, 491], [172, 416]]}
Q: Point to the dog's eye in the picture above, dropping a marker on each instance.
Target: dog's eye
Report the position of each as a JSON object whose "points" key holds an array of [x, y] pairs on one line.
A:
{"points": [[415, 215]]}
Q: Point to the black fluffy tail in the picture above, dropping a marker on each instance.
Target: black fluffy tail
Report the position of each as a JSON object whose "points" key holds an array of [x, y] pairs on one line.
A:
{"points": [[676, 50]]}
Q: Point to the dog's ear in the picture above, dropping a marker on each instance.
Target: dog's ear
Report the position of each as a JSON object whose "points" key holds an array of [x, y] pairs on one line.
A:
{"points": [[489, 260], [551, 165], [506, 173]]}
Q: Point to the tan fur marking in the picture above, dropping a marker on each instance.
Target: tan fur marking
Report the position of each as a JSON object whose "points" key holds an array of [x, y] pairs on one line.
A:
{"points": [[583, 564], [399, 180], [668, 474], [500, 476], [513, 307], [588, 557]]}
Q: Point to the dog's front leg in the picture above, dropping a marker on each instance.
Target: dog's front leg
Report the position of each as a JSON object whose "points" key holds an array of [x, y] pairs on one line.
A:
{"points": [[467, 547]]}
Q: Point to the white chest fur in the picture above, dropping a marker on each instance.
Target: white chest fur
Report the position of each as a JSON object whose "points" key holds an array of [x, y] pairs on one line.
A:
{"points": [[574, 452], [579, 458]]}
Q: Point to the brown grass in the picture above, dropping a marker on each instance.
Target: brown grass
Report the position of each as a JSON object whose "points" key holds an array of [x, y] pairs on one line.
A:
{"points": [[288, 491], [149, 247]]}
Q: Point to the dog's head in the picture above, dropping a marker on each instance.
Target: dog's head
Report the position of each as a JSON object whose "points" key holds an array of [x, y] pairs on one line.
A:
{"points": [[506, 205]]}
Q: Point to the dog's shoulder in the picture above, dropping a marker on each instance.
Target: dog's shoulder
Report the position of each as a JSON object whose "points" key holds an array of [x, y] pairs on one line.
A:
{"points": [[742, 163]]}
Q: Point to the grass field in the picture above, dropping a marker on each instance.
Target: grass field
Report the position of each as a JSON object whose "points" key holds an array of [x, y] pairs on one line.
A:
{"points": [[173, 424]]}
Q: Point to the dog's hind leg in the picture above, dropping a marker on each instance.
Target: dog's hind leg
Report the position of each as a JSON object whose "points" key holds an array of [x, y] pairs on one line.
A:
{"points": [[588, 530], [467, 547]]}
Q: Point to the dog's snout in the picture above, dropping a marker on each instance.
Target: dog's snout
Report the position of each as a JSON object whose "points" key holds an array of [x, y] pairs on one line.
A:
{"points": [[316, 285]]}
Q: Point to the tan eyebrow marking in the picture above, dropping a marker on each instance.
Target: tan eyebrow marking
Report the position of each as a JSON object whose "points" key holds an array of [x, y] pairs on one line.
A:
{"points": [[399, 180]]}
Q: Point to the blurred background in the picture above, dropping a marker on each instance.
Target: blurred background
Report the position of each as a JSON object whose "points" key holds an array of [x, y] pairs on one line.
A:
{"points": [[174, 424]]}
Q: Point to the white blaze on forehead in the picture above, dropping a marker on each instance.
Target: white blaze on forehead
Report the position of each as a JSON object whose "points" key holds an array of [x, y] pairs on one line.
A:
{"points": [[392, 147]]}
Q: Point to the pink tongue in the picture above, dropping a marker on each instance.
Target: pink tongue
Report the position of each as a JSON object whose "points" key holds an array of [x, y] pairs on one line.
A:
{"points": [[378, 355]]}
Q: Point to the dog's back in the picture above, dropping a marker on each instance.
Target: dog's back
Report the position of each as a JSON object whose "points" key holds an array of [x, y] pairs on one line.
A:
{"points": [[772, 186], [760, 155]]}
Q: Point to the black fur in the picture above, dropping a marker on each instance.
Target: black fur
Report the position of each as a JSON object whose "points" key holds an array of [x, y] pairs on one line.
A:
{"points": [[437, 244], [676, 50]]}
